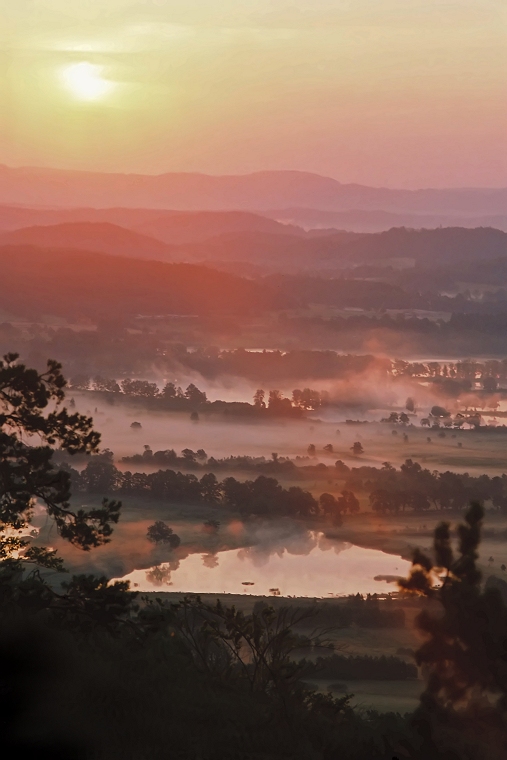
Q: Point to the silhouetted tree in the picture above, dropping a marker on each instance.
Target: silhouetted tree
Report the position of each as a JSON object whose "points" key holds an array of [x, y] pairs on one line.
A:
{"points": [[141, 388], [464, 705], [161, 533], [258, 399], [31, 413], [194, 395]]}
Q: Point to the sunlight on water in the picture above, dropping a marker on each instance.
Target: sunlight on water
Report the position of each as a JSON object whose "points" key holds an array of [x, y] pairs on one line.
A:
{"points": [[337, 570]]}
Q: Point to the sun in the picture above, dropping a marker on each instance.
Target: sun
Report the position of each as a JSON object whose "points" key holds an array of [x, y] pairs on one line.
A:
{"points": [[85, 82]]}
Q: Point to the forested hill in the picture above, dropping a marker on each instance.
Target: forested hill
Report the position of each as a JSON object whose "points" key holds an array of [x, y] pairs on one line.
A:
{"points": [[72, 283], [427, 247], [102, 237]]}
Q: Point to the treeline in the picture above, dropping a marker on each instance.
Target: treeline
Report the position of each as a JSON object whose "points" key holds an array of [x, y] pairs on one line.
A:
{"points": [[360, 668], [412, 487], [417, 488], [199, 460], [193, 400], [277, 365], [262, 496], [457, 325], [468, 370], [113, 351], [363, 611]]}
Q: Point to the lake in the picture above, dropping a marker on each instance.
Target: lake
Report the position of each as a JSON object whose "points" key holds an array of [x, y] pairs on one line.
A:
{"points": [[330, 569]]}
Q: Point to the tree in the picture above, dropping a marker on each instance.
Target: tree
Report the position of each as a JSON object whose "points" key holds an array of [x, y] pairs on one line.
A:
{"points": [[106, 384], [28, 434], [410, 405], [381, 500], [212, 526], [277, 404], [328, 504], [210, 488], [194, 395], [348, 502], [100, 476], [161, 533], [464, 704], [306, 399], [357, 449], [170, 393], [311, 449], [258, 399], [439, 412], [189, 455], [490, 384], [141, 388]]}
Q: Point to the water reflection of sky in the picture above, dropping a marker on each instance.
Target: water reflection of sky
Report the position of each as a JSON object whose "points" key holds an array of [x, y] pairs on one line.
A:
{"points": [[330, 568]]}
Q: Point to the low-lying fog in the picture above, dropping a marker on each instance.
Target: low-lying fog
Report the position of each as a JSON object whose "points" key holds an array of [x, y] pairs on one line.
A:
{"points": [[262, 555], [459, 451]]}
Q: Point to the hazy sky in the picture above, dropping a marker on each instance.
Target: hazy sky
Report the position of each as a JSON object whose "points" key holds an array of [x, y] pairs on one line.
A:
{"points": [[406, 93]]}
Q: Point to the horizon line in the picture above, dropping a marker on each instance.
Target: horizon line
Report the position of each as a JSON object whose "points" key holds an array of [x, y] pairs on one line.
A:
{"points": [[463, 188]]}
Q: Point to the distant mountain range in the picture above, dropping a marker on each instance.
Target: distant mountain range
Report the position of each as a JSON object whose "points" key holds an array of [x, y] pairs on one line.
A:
{"points": [[261, 191]]}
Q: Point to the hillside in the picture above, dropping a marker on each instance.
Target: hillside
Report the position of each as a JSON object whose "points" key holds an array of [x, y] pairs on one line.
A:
{"points": [[255, 247], [349, 293], [73, 283], [194, 227], [173, 227], [103, 237], [254, 192], [427, 247]]}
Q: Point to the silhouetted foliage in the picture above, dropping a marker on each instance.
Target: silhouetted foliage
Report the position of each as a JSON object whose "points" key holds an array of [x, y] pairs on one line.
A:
{"points": [[32, 422], [160, 533], [464, 655]]}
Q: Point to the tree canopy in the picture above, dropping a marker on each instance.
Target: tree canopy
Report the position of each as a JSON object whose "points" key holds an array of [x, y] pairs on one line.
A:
{"points": [[33, 422]]}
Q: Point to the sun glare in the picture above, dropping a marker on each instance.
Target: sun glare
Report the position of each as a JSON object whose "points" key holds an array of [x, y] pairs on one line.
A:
{"points": [[85, 82]]}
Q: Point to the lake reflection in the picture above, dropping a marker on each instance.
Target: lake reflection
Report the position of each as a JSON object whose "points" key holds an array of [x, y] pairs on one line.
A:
{"points": [[330, 568]]}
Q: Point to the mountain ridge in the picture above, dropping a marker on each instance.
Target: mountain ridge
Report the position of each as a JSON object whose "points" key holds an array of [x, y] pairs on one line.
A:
{"points": [[255, 192]]}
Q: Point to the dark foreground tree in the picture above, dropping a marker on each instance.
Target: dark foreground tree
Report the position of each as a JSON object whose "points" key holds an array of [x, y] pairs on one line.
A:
{"points": [[33, 422], [463, 711]]}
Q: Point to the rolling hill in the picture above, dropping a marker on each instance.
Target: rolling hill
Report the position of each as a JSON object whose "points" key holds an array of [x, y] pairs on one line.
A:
{"points": [[103, 237], [174, 227], [260, 247], [252, 192], [427, 247], [73, 283]]}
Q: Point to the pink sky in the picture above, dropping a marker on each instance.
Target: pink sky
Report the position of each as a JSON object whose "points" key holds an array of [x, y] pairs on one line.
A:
{"points": [[401, 93]]}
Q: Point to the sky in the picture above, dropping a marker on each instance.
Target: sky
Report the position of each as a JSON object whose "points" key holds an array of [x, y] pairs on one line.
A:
{"points": [[396, 93]]}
